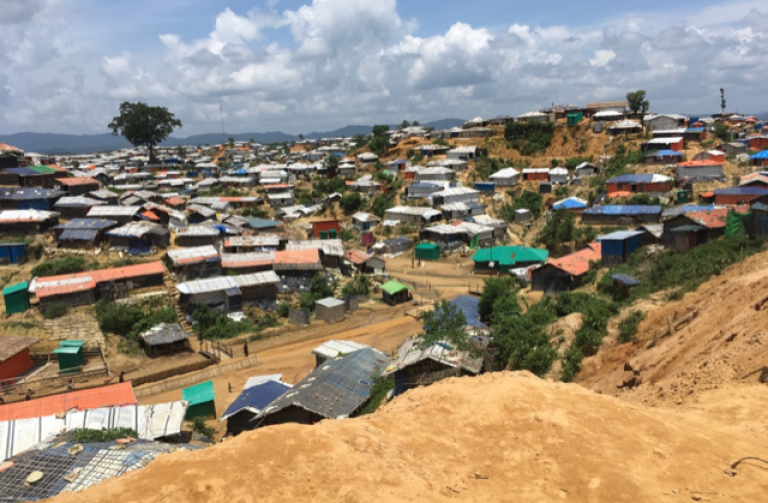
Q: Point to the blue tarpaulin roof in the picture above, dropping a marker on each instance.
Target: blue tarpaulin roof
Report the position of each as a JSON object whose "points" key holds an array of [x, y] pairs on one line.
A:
{"points": [[741, 191], [21, 171], [87, 223], [569, 204], [665, 153], [694, 130], [30, 193], [760, 155], [469, 306], [79, 235], [619, 209], [256, 398], [625, 279]]}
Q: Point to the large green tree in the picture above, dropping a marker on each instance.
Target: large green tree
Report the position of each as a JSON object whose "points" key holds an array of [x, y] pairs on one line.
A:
{"points": [[637, 101], [143, 125], [445, 323]]}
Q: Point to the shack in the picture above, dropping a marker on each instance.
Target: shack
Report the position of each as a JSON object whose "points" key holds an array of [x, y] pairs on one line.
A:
{"points": [[120, 214], [27, 221], [139, 237], [393, 246], [566, 273], [257, 394], [621, 214], [364, 222], [201, 399], [231, 292], [195, 262], [334, 349], [394, 292], [14, 356], [16, 298], [76, 186], [71, 356], [165, 338], [13, 253], [29, 198], [337, 389], [246, 263], [428, 251], [616, 247], [75, 206], [83, 232], [506, 177], [503, 259], [326, 229], [196, 235], [329, 309], [639, 183]]}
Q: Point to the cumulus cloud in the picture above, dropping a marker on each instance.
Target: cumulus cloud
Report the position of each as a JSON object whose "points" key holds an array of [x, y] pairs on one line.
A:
{"points": [[334, 62]]}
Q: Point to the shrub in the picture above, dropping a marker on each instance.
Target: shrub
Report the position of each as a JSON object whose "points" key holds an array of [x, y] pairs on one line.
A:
{"points": [[67, 265], [283, 309], [55, 310], [381, 386], [629, 325], [86, 435], [530, 138], [351, 202], [214, 325], [199, 426]]}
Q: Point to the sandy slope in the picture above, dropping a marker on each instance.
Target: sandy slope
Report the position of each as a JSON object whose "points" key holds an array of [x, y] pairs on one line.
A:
{"points": [[497, 437]]}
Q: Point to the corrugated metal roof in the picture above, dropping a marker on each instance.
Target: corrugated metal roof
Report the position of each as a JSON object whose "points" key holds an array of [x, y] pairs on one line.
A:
{"points": [[619, 235], [14, 344], [640, 178], [17, 216], [93, 398], [255, 398], [76, 201], [113, 211], [69, 283], [72, 182], [134, 229], [578, 263], [23, 194], [335, 348], [330, 247], [413, 351], [510, 255], [222, 283], [392, 287], [329, 302], [199, 393], [741, 191], [164, 333], [87, 223], [192, 255], [251, 259]]}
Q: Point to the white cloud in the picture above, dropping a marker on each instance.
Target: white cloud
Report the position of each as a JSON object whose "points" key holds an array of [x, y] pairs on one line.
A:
{"points": [[346, 61], [602, 58]]}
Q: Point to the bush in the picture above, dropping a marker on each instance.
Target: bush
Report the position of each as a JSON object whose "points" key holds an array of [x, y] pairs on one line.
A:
{"points": [[381, 204], [199, 426], [381, 387], [55, 310], [214, 325], [528, 200], [351, 202], [283, 309], [360, 285], [347, 235], [67, 265], [494, 289], [572, 359], [629, 325], [530, 138], [85, 435]]}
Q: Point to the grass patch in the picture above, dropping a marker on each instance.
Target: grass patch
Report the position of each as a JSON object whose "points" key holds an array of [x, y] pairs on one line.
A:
{"points": [[55, 267], [629, 325], [84, 436], [381, 386], [199, 426], [55, 310]]}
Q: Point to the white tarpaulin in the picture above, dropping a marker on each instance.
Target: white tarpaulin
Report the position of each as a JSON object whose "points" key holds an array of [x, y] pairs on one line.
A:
{"points": [[151, 422]]}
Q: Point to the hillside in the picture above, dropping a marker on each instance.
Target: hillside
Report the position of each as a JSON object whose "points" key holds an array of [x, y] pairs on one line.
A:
{"points": [[719, 341], [469, 439]]}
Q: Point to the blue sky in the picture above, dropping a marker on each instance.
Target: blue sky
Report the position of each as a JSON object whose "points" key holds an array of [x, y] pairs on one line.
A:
{"points": [[315, 65]]}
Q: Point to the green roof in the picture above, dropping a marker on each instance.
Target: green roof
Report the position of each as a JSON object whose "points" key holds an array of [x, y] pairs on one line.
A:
{"points": [[67, 350], [72, 344], [427, 246], [684, 229], [200, 393], [18, 287], [43, 170], [510, 255], [393, 287]]}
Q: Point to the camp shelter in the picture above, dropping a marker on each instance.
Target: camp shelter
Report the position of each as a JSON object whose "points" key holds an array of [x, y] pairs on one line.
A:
{"points": [[13, 253], [256, 395], [505, 258], [201, 398], [79, 399], [565, 273], [625, 282], [16, 297], [616, 247], [14, 355], [329, 309], [165, 338], [394, 292], [428, 251], [70, 355], [335, 348]]}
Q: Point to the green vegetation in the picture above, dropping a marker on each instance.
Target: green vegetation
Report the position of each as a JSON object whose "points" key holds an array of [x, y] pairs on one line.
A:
{"points": [[529, 138], [572, 162], [360, 285], [283, 309], [629, 325], [668, 269], [442, 142], [55, 310], [318, 289], [55, 267], [199, 426], [84, 435], [351, 202], [637, 102], [130, 321], [528, 200], [493, 290], [521, 339], [381, 204], [486, 166], [214, 325], [381, 386], [346, 235], [559, 231], [445, 323], [143, 125], [595, 313], [379, 139], [722, 131], [330, 185], [617, 165]]}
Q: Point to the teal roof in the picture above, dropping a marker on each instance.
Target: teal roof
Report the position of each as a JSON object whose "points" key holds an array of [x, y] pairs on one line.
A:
{"points": [[427, 246], [510, 255], [262, 223], [18, 287], [200, 393], [67, 350], [72, 344]]}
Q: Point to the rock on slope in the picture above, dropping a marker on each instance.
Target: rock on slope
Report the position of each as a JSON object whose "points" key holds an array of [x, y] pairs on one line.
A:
{"points": [[497, 437]]}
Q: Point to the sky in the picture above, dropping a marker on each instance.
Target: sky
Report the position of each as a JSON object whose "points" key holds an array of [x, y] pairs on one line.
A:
{"points": [[317, 65]]}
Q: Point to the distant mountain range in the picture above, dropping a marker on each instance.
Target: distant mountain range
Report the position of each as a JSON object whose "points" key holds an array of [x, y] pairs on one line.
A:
{"points": [[49, 143]]}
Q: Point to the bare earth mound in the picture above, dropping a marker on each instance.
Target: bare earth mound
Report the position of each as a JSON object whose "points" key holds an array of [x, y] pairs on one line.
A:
{"points": [[497, 437]]}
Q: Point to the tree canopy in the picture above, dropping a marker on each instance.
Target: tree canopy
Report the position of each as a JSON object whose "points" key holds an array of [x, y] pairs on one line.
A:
{"points": [[637, 101], [445, 323], [143, 125]]}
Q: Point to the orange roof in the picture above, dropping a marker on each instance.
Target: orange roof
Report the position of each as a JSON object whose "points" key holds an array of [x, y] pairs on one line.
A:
{"points": [[699, 164], [90, 167], [54, 166], [5, 147], [68, 283], [707, 194], [150, 215], [619, 193], [76, 181], [357, 257], [309, 256], [577, 263], [711, 219], [277, 186], [174, 201], [94, 398]]}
